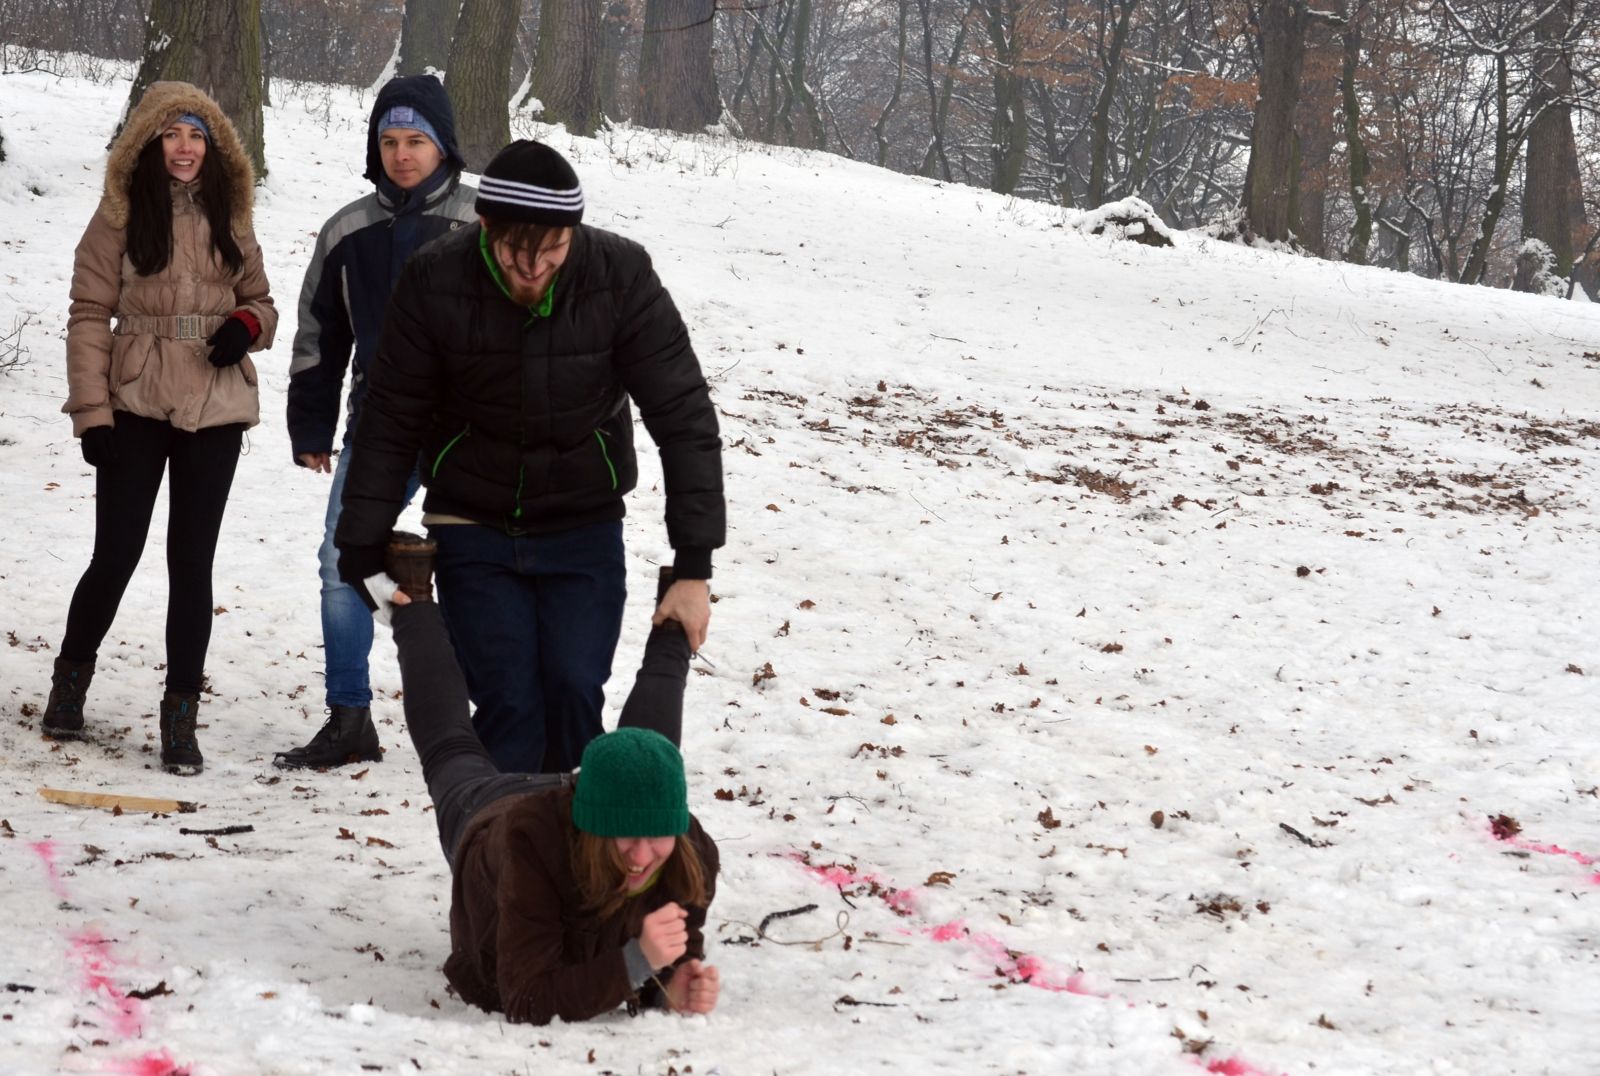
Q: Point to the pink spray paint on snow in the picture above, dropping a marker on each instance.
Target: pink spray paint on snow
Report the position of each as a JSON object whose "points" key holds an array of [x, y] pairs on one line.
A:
{"points": [[1022, 968], [1018, 968], [46, 851], [1522, 844], [93, 956]]}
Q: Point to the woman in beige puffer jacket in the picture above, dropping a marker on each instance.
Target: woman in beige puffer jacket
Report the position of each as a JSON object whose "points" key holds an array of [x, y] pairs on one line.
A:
{"points": [[168, 296]]}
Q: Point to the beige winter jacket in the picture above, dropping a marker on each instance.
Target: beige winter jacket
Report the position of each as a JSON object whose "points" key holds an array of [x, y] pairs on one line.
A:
{"points": [[152, 360]]}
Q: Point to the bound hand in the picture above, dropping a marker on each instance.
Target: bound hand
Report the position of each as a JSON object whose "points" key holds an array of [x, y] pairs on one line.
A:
{"points": [[694, 987], [96, 445], [231, 340], [664, 936]]}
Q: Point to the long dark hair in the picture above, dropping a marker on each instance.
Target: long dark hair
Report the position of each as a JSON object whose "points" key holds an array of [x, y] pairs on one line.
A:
{"points": [[150, 210]]}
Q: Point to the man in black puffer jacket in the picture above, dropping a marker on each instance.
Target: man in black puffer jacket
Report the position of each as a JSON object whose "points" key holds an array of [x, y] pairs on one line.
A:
{"points": [[505, 370]]}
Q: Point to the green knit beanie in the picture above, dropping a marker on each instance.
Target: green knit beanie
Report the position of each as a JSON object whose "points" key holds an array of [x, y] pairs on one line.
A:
{"points": [[631, 785]]}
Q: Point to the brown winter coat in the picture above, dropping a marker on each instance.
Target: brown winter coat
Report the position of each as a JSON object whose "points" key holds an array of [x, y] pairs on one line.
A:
{"points": [[520, 940], [143, 366]]}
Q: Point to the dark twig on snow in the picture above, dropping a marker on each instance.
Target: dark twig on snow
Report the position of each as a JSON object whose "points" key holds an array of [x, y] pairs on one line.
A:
{"points": [[1301, 837], [157, 991], [223, 831], [803, 909], [19, 988], [848, 1000], [761, 934]]}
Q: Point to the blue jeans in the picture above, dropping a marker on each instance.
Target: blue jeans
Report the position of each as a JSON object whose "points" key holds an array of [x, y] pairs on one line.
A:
{"points": [[534, 620], [346, 620]]}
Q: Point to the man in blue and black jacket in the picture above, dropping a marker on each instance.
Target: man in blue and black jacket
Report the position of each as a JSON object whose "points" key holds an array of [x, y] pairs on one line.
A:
{"points": [[413, 162]]}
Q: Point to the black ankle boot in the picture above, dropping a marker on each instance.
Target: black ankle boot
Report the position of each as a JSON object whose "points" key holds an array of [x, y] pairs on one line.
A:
{"points": [[180, 750], [69, 684], [347, 736]]}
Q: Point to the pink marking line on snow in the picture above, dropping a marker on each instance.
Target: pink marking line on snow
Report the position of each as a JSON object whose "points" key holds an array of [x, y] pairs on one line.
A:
{"points": [[1017, 968], [92, 953], [1020, 968], [1525, 845], [46, 851], [156, 1064], [1231, 1066]]}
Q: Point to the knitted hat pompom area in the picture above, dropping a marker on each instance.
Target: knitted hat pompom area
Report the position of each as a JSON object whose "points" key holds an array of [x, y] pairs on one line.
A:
{"points": [[631, 784], [530, 182]]}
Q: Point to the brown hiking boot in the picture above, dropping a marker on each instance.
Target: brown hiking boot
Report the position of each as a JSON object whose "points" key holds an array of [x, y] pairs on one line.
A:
{"points": [[409, 562]]}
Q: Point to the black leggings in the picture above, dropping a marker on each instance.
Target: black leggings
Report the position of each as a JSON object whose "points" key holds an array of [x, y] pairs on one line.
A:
{"points": [[202, 466], [462, 779]]}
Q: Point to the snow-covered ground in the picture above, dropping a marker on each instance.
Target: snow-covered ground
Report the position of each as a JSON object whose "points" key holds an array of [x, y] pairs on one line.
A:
{"points": [[1122, 652]]}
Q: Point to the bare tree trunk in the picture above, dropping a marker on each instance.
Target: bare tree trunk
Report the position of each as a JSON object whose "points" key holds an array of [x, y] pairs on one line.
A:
{"points": [[567, 78], [1314, 134], [1552, 196], [812, 136], [266, 62], [938, 96], [1505, 156], [1008, 124], [936, 153], [479, 78], [677, 84], [215, 44], [425, 36], [1267, 194], [1356, 147], [881, 126], [1100, 119], [615, 37]]}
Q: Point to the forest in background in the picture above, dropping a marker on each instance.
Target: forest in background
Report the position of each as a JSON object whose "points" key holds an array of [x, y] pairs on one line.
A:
{"points": [[1455, 139]]}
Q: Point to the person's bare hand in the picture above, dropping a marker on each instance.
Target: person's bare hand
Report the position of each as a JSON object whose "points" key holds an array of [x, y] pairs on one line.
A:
{"points": [[694, 987], [316, 461], [664, 936], [688, 601]]}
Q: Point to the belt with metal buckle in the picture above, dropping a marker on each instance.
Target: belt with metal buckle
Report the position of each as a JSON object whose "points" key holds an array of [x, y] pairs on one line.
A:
{"points": [[188, 326]]}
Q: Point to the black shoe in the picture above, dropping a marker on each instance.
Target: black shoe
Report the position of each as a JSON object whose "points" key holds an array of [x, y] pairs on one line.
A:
{"points": [[180, 751], [409, 562], [347, 736], [69, 684]]}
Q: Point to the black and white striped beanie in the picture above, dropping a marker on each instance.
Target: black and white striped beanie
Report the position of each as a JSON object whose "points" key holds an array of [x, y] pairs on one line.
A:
{"points": [[528, 181]]}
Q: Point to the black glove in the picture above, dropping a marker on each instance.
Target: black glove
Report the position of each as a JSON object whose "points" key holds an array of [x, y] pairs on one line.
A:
{"points": [[357, 564], [96, 445], [231, 340]]}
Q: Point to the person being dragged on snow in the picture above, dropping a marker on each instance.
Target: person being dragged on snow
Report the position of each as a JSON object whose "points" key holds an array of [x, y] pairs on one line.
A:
{"points": [[571, 894]]}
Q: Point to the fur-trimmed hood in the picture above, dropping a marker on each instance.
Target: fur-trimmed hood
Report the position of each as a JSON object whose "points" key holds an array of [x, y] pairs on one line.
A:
{"points": [[162, 103]]}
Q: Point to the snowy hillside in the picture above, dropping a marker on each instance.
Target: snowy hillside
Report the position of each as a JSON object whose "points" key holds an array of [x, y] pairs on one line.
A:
{"points": [[1123, 650]]}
